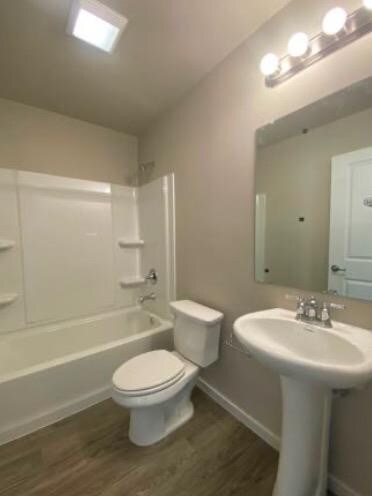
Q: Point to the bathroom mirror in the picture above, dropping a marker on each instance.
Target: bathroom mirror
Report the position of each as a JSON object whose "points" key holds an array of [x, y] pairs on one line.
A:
{"points": [[314, 196]]}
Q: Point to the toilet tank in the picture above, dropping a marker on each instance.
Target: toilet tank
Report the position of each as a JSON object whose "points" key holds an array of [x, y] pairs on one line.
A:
{"points": [[196, 331]]}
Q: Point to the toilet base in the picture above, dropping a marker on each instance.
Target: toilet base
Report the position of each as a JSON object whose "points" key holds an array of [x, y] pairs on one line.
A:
{"points": [[149, 425]]}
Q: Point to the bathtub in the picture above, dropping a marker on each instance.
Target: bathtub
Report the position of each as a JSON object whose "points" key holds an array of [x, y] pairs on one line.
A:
{"points": [[50, 372]]}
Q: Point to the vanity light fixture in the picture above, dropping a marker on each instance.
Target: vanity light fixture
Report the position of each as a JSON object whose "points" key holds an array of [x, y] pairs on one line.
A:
{"points": [[96, 24], [338, 30]]}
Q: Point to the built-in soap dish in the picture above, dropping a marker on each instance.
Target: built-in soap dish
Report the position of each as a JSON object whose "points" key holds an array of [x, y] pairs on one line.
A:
{"points": [[7, 299], [130, 243], [132, 282], [6, 244]]}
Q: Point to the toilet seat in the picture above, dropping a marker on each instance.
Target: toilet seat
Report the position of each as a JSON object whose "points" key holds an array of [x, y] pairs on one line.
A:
{"points": [[148, 373]]}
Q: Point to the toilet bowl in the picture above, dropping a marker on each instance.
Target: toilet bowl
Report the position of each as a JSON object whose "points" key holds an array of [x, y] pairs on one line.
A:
{"points": [[156, 386], [159, 410]]}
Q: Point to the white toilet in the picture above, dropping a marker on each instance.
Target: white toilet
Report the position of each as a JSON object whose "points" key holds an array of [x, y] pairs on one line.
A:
{"points": [[156, 386]]}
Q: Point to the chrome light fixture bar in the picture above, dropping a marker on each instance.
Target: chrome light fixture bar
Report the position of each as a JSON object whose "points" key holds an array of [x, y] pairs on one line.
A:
{"points": [[355, 25]]}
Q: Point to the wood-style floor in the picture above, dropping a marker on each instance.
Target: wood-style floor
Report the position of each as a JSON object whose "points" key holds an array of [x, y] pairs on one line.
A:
{"points": [[89, 454]]}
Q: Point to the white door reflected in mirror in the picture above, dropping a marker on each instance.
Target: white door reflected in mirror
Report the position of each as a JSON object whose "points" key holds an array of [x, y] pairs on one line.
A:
{"points": [[350, 243]]}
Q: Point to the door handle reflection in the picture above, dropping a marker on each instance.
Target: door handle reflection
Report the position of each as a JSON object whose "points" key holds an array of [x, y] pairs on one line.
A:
{"points": [[336, 268]]}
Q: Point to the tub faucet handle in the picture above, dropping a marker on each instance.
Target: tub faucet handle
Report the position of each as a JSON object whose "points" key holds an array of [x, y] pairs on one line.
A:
{"points": [[152, 276]]}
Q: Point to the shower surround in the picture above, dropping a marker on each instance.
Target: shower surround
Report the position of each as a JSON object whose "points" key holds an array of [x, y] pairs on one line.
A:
{"points": [[73, 256]]}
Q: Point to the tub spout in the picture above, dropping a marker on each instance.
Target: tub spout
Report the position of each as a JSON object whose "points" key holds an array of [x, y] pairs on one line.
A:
{"points": [[148, 297]]}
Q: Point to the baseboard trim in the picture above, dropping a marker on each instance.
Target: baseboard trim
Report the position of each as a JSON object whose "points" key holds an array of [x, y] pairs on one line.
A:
{"points": [[338, 487], [32, 424], [251, 423]]}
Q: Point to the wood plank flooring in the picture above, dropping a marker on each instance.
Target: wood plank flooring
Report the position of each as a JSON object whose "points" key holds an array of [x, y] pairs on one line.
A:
{"points": [[89, 454]]}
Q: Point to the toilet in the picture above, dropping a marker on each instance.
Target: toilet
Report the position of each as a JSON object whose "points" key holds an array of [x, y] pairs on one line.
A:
{"points": [[156, 386]]}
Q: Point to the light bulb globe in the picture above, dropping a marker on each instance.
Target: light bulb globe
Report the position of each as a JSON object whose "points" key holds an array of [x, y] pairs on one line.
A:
{"points": [[269, 64], [298, 45], [334, 21]]}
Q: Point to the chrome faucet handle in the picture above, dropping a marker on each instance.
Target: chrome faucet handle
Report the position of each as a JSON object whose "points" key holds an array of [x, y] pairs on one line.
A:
{"points": [[300, 309], [325, 313]]}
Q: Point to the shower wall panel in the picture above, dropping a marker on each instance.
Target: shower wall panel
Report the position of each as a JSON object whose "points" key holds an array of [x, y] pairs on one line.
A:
{"points": [[67, 245], [11, 284]]}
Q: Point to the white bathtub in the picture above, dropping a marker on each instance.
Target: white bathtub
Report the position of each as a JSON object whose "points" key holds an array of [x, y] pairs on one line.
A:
{"points": [[50, 372]]}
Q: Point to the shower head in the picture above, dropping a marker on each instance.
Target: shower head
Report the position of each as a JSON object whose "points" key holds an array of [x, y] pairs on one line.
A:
{"points": [[142, 174]]}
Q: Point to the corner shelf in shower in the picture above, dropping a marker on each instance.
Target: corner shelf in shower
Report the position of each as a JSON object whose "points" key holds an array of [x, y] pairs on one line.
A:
{"points": [[6, 244], [7, 299], [130, 243], [132, 282]]}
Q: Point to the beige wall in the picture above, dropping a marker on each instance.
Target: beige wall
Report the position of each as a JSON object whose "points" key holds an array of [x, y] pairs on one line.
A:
{"points": [[208, 141], [41, 141], [295, 175]]}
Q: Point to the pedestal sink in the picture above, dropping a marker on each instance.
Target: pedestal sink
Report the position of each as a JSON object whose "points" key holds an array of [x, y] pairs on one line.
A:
{"points": [[312, 361]]}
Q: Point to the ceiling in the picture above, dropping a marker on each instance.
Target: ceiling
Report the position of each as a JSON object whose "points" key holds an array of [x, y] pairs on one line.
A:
{"points": [[168, 46]]}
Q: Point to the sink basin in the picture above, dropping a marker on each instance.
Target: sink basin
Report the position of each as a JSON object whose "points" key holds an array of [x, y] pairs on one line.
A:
{"points": [[340, 357], [311, 362]]}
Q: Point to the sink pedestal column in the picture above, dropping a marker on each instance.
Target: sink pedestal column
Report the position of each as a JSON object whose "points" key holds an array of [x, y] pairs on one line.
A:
{"points": [[303, 464]]}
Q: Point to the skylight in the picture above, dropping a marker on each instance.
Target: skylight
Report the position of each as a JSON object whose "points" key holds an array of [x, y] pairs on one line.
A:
{"points": [[96, 24]]}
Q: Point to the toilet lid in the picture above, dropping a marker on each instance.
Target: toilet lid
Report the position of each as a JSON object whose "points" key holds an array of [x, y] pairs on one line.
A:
{"points": [[150, 370]]}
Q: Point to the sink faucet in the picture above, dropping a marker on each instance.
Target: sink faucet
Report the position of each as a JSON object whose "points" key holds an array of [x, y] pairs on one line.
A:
{"points": [[311, 311], [148, 297]]}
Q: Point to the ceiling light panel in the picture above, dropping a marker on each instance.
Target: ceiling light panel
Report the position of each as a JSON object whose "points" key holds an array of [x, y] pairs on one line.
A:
{"points": [[96, 24]]}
